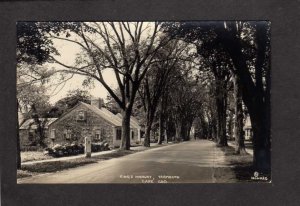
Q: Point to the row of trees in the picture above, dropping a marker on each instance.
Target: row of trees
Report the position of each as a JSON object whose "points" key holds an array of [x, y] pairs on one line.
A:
{"points": [[240, 50], [172, 73]]}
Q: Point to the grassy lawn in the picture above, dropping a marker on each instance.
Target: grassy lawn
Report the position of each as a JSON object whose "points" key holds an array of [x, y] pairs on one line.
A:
{"points": [[33, 156], [243, 165], [24, 173], [46, 167]]}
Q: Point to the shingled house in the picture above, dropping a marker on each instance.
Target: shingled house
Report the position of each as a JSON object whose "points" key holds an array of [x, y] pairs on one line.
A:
{"points": [[27, 131], [248, 128], [90, 119], [83, 119]]}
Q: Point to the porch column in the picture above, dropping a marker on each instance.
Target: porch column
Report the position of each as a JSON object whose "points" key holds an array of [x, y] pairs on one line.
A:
{"points": [[139, 135], [114, 135]]}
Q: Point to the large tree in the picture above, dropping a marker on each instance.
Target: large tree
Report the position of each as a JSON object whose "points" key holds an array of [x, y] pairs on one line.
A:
{"points": [[248, 44], [33, 46], [32, 49], [238, 120], [128, 49]]}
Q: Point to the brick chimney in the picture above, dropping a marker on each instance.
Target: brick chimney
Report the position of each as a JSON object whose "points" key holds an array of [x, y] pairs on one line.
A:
{"points": [[97, 102]]}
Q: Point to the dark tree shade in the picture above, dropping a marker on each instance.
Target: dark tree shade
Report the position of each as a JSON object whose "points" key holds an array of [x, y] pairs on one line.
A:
{"points": [[32, 45]]}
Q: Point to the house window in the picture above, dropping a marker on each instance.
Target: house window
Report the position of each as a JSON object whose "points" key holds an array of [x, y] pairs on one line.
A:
{"points": [[97, 135], [119, 134], [67, 134], [81, 115], [31, 135], [100, 134], [132, 134], [52, 134]]}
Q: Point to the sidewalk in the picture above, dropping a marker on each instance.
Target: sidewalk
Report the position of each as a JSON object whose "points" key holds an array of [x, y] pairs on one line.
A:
{"points": [[95, 154], [248, 150]]}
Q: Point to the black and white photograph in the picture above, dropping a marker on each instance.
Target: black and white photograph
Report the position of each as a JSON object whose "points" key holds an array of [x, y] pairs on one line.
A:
{"points": [[143, 102]]}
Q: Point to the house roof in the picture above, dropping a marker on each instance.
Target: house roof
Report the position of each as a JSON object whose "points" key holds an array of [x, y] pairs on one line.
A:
{"points": [[109, 116], [133, 121], [30, 124]]}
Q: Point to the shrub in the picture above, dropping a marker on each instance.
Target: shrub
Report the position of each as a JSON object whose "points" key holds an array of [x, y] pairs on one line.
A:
{"points": [[101, 146], [59, 150]]}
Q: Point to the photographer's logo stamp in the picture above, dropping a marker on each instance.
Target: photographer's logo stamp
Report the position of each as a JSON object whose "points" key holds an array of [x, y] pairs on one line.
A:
{"points": [[257, 176]]}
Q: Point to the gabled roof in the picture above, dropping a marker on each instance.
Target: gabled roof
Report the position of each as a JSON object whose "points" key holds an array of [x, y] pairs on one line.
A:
{"points": [[133, 121], [30, 124], [115, 120], [109, 116], [105, 115]]}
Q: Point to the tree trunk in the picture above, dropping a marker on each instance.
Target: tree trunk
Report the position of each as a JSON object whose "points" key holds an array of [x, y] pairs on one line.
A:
{"points": [[161, 128], [214, 129], [178, 131], [230, 125], [205, 129], [150, 118], [165, 132], [238, 123], [40, 129], [261, 140], [18, 141], [221, 113], [125, 141], [161, 121], [189, 133], [183, 131], [147, 134]]}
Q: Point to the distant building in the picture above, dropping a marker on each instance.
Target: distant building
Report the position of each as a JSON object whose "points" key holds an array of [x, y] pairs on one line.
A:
{"points": [[93, 120], [248, 128]]}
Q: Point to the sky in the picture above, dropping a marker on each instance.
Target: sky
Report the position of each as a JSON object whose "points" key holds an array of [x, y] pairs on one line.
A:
{"points": [[67, 55], [68, 51], [76, 83]]}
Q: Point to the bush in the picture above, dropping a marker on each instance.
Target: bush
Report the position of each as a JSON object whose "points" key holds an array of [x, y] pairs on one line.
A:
{"points": [[101, 146], [64, 150], [59, 150]]}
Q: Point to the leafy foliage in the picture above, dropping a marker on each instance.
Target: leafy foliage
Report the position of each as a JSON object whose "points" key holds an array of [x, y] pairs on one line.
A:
{"points": [[72, 98]]}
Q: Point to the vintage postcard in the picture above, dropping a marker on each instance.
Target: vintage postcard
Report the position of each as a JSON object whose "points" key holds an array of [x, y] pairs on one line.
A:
{"points": [[143, 102]]}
